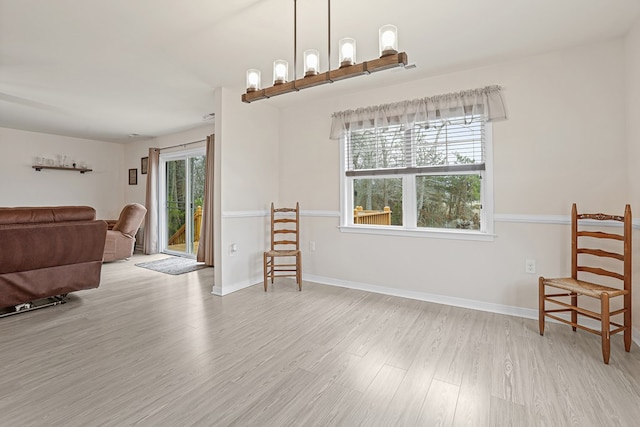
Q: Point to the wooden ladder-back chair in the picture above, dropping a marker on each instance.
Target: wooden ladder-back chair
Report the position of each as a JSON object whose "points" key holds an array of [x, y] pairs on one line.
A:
{"points": [[284, 223], [584, 260]]}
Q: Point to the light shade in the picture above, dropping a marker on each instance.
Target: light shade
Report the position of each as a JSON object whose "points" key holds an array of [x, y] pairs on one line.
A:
{"points": [[311, 62], [388, 40], [347, 52], [280, 71], [253, 80]]}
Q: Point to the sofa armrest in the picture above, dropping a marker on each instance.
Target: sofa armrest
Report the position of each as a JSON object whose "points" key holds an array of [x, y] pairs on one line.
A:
{"points": [[118, 245]]}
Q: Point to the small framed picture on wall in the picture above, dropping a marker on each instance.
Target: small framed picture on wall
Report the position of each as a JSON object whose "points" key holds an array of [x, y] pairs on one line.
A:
{"points": [[144, 165], [133, 176]]}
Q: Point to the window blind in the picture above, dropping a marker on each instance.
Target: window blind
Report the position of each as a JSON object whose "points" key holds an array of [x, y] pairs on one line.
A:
{"points": [[441, 146]]}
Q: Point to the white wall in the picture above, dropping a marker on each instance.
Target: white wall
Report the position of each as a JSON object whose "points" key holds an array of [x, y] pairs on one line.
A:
{"points": [[632, 50], [248, 136], [21, 185], [564, 142]]}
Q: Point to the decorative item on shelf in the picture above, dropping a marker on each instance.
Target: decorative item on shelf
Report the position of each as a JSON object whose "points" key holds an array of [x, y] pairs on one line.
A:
{"points": [[64, 161], [347, 67]]}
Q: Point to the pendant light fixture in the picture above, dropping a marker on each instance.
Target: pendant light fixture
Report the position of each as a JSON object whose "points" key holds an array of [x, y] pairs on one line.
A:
{"points": [[347, 50], [388, 40], [280, 72], [253, 80], [311, 60], [347, 65]]}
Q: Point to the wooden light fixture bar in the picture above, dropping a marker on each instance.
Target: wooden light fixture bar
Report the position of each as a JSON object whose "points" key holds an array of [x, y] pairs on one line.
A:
{"points": [[390, 59], [367, 67]]}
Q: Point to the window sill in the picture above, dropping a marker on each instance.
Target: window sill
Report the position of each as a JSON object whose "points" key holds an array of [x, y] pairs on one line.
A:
{"points": [[426, 233]]}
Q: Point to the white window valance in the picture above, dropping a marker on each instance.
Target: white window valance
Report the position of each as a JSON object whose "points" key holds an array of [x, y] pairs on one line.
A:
{"points": [[477, 104]]}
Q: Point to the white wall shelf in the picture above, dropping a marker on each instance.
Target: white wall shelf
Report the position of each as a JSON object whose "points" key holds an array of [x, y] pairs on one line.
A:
{"points": [[62, 168]]}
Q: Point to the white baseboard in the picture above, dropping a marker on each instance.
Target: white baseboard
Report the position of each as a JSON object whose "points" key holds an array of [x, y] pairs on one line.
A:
{"points": [[227, 289], [527, 313], [423, 296]]}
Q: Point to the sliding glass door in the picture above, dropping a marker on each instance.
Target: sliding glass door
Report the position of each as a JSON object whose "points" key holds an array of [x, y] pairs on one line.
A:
{"points": [[181, 192]]}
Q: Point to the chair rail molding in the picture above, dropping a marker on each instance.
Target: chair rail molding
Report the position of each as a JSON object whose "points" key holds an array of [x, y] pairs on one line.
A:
{"points": [[505, 217], [266, 213], [552, 219]]}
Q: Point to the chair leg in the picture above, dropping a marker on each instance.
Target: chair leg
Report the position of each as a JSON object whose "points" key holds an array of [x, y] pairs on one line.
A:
{"points": [[273, 268], [605, 327], [264, 263], [299, 270], [541, 305], [627, 323], [574, 314]]}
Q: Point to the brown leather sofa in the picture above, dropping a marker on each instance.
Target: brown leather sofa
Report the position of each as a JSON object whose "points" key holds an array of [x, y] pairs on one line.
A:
{"points": [[121, 236], [48, 251]]}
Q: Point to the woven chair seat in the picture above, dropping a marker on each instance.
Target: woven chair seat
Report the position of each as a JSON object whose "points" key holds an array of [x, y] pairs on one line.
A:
{"points": [[292, 252], [584, 288]]}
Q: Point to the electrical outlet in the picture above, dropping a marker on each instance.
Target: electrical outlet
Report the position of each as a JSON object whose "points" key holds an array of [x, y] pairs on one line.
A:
{"points": [[312, 245], [530, 266]]}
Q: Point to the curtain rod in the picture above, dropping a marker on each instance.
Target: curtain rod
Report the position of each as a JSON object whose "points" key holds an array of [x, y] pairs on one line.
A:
{"points": [[182, 145]]}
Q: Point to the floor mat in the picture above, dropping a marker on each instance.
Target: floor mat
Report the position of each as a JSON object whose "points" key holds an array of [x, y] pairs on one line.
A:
{"points": [[173, 265]]}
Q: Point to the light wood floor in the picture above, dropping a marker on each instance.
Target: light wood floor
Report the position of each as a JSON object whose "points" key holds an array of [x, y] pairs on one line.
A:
{"points": [[151, 349]]}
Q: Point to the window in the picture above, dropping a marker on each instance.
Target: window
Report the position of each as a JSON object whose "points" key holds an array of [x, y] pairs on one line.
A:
{"points": [[425, 173]]}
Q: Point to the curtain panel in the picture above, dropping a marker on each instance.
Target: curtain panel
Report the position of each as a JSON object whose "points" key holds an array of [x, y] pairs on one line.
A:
{"points": [[477, 104], [151, 203], [205, 248]]}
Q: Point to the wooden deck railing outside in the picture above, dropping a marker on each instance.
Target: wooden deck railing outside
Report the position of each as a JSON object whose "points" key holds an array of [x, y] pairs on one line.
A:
{"points": [[360, 216], [180, 235]]}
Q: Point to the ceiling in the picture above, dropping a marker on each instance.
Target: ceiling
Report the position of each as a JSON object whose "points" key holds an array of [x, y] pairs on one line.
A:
{"points": [[104, 70]]}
